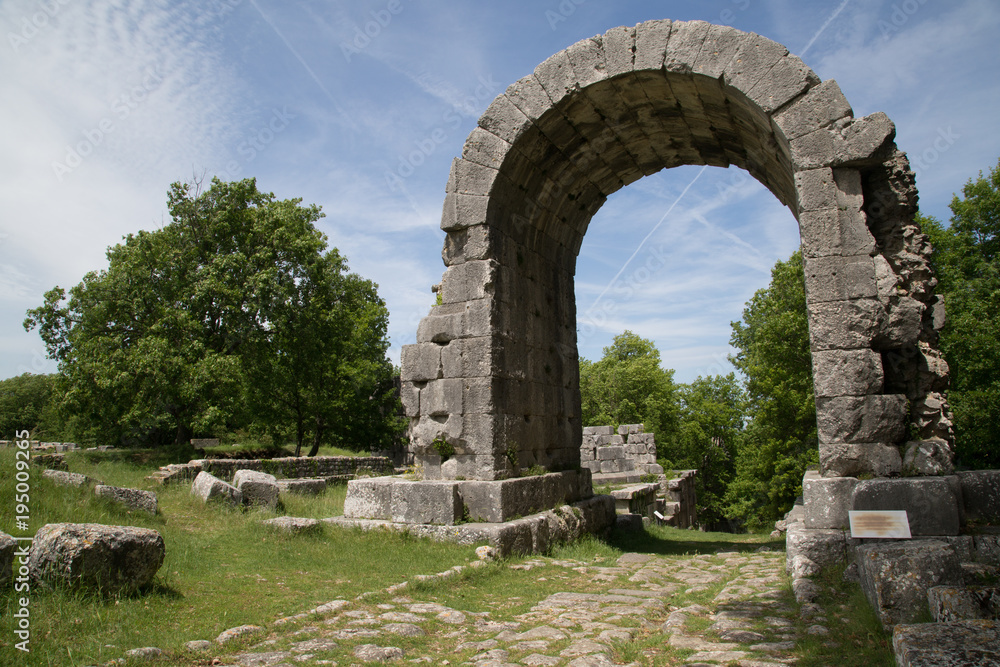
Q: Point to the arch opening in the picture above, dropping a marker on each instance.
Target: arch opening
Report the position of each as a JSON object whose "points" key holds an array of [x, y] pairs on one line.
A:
{"points": [[492, 384]]}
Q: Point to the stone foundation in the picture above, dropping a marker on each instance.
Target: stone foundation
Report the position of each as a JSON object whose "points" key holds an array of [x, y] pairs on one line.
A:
{"points": [[447, 502], [331, 468]]}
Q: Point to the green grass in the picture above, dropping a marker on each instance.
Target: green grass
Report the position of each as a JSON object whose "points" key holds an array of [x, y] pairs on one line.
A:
{"points": [[222, 567]]}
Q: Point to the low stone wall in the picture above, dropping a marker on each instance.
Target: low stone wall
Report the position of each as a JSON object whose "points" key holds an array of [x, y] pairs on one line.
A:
{"points": [[337, 468], [607, 451], [681, 506]]}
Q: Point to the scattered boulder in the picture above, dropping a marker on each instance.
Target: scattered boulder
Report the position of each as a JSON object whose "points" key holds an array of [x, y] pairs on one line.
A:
{"points": [[294, 525], [239, 631], [64, 478], [145, 653], [373, 653], [198, 645], [209, 487], [258, 488], [133, 499], [111, 559], [7, 545]]}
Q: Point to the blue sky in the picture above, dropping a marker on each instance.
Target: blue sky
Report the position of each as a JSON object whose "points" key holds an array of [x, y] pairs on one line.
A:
{"points": [[361, 106]]}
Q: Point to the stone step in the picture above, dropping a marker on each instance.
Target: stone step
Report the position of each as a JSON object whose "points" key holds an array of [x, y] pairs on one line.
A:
{"points": [[947, 644], [962, 603]]}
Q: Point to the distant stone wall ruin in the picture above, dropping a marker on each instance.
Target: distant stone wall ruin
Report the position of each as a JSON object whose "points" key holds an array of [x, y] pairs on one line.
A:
{"points": [[605, 450]]}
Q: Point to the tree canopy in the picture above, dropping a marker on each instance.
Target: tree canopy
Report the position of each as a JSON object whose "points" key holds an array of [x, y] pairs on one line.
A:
{"points": [[233, 315], [773, 354], [628, 386], [967, 262]]}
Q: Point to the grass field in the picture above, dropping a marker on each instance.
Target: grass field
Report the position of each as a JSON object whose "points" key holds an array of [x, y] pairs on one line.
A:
{"points": [[223, 569]]}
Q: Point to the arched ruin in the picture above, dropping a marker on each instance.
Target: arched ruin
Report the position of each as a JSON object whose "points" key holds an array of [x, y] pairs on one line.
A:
{"points": [[492, 383]]}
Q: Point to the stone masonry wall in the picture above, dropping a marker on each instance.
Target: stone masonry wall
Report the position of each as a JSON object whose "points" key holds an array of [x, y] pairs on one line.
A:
{"points": [[604, 450], [292, 467]]}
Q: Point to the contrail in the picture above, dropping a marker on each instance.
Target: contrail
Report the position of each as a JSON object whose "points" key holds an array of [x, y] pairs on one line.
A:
{"points": [[643, 242], [823, 27]]}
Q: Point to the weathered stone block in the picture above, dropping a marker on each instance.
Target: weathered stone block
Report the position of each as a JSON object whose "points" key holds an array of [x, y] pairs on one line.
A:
{"points": [[312, 486], [896, 576], [369, 498], [209, 487], [955, 644], [847, 372], [960, 603], [845, 325], [651, 43], [822, 546], [861, 419], [610, 453], [843, 459], [981, 495], [930, 502], [421, 362], [820, 107], [986, 549], [839, 278], [294, 525], [258, 488], [462, 211], [110, 559], [784, 81], [134, 499], [7, 547], [469, 178], [64, 478], [425, 502], [865, 139], [441, 397], [928, 457], [827, 500], [468, 281]]}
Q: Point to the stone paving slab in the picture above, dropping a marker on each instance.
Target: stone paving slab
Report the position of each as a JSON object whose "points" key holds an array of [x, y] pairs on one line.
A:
{"points": [[748, 619]]}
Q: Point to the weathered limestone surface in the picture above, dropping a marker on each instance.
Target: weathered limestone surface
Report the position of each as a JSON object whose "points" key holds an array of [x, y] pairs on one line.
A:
{"points": [[957, 644], [257, 488], [66, 478], [112, 559], [981, 495], [7, 547], [135, 499], [827, 500], [209, 487], [931, 503], [954, 603], [307, 486], [896, 576]]}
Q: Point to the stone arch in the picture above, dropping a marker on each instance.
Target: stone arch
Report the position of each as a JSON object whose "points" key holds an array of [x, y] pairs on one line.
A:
{"points": [[493, 379]]}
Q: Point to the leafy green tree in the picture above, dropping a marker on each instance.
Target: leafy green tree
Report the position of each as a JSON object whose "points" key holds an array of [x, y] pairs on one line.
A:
{"points": [[780, 440], [628, 386], [204, 325], [967, 262], [26, 404], [709, 432]]}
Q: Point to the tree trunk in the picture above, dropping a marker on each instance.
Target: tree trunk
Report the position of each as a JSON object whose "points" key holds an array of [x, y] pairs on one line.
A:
{"points": [[317, 437], [183, 434]]}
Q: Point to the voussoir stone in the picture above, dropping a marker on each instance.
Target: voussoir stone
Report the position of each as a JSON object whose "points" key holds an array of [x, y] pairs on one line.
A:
{"points": [[111, 559]]}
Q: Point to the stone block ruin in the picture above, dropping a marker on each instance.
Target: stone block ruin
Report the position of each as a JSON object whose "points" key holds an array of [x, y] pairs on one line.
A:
{"points": [[627, 451], [627, 455]]}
